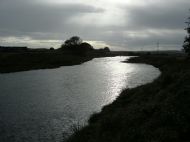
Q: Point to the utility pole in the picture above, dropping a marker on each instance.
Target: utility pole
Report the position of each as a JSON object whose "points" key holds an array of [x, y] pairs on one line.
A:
{"points": [[141, 49]]}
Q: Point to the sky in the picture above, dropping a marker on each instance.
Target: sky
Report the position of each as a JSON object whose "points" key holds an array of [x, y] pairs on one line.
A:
{"points": [[118, 24]]}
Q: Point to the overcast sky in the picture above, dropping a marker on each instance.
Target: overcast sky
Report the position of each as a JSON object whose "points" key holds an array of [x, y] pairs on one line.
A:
{"points": [[119, 24]]}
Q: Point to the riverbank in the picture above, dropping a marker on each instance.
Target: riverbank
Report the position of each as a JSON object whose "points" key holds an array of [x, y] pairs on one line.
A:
{"points": [[158, 111], [32, 60], [14, 62]]}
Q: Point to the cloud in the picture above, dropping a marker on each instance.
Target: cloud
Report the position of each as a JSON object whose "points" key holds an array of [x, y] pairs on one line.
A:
{"points": [[151, 22], [168, 15], [28, 41], [39, 17], [120, 24]]}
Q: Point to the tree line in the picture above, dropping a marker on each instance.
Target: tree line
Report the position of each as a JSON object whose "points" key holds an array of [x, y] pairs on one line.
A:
{"points": [[76, 45]]}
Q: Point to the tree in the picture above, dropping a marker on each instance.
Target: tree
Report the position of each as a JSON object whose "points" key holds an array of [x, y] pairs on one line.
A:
{"points": [[75, 40], [51, 48], [86, 46], [75, 45], [186, 45], [106, 49]]}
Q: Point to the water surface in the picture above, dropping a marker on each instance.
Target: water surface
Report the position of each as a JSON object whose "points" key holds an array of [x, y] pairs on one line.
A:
{"points": [[43, 105]]}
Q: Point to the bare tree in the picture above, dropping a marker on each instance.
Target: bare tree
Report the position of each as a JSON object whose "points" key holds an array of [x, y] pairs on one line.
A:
{"points": [[186, 44]]}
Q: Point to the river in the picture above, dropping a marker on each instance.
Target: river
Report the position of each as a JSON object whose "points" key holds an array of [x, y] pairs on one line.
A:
{"points": [[45, 105]]}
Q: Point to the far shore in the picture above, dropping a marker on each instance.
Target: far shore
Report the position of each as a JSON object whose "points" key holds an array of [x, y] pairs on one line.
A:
{"points": [[47, 59]]}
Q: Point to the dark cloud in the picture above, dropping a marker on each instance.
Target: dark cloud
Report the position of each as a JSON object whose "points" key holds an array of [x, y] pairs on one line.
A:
{"points": [[24, 16], [168, 15]]}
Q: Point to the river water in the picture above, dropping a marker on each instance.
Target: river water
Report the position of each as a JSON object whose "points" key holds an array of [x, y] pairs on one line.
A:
{"points": [[46, 105]]}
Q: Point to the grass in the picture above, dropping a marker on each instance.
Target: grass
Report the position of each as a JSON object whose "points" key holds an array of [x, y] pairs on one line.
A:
{"points": [[155, 112]]}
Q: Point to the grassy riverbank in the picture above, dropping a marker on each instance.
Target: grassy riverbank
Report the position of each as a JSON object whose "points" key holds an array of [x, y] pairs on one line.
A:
{"points": [[14, 62], [155, 112], [31, 60]]}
